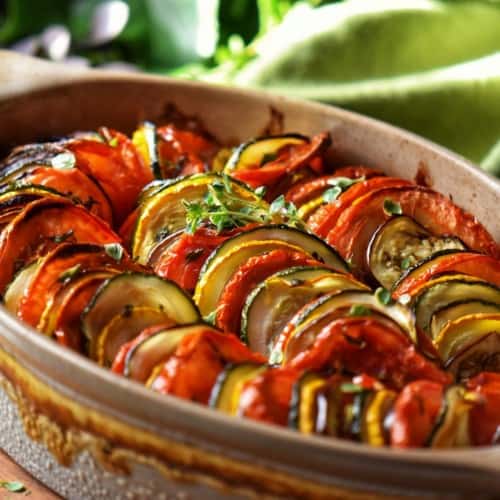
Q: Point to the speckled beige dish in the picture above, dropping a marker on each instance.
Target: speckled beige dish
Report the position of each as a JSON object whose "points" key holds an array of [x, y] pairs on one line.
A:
{"points": [[87, 433]]}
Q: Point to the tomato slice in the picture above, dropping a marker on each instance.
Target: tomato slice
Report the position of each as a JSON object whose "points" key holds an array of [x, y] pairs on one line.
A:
{"points": [[119, 170], [58, 268], [183, 152], [75, 184], [192, 371], [267, 397], [67, 330], [247, 277], [472, 264], [484, 417], [41, 226], [416, 411], [435, 212], [306, 191], [289, 160], [326, 217], [126, 230], [183, 260], [366, 345]]}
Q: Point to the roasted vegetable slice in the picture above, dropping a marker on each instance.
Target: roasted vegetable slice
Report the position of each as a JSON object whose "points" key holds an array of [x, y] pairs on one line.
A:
{"points": [[441, 292], [216, 271], [469, 263], [482, 355], [416, 412], [374, 430], [126, 326], [225, 395], [206, 353], [272, 304], [40, 227], [463, 332], [146, 143], [120, 293], [452, 427], [164, 212], [366, 345], [14, 292], [301, 331], [303, 413], [152, 348], [399, 244], [435, 212]]}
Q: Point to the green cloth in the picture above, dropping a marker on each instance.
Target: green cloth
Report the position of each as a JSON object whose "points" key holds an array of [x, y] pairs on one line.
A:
{"points": [[432, 67]]}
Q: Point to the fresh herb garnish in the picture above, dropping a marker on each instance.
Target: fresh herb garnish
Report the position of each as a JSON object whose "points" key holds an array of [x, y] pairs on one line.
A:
{"points": [[222, 209], [351, 388], [60, 238], [359, 310], [210, 318], [267, 158], [13, 486], [392, 207], [383, 296], [162, 234], [63, 161], [114, 250], [113, 142], [339, 185], [405, 263], [70, 273], [261, 191]]}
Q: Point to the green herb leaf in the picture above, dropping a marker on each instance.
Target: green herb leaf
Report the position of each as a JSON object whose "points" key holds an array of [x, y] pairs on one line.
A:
{"points": [[60, 238], [383, 296], [113, 142], [275, 358], [351, 388], [13, 486], [392, 207], [210, 318], [405, 263], [114, 250], [63, 161], [70, 273], [267, 158], [277, 205], [332, 194], [260, 191], [359, 310]]}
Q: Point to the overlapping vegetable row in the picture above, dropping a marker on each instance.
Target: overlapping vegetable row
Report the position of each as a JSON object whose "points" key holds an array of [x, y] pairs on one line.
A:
{"points": [[261, 280]]}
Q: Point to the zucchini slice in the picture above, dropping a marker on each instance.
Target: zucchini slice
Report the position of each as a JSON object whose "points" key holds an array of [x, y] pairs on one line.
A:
{"points": [[310, 320], [374, 430], [19, 284], [213, 278], [257, 152], [481, 356], [145, 141], [163, 212], [452, 426], [226, 392], [126, 290], [303, 413], [456, 310], [271, 305], [144, 357], [401, 243], [124, 327], [445, 290], [464, 332]]}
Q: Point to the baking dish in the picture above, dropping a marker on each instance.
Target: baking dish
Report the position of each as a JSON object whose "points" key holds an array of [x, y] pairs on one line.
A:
{"points": [[89, 434]]}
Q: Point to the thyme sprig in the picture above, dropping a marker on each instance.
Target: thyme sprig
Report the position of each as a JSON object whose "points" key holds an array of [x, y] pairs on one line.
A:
{"points": [[222, 209]]}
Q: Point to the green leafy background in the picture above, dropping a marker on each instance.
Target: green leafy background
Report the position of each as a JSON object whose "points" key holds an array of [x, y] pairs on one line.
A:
{"points": [[430, 66]]}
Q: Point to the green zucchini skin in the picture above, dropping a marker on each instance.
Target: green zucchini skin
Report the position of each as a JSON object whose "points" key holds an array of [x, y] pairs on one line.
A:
{"points": [[241, 156], [313, 245], [458, 288], [134, 289]]}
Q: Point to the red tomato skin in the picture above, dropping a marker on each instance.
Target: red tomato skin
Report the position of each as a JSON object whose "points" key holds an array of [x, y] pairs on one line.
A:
{"points": [[364, 345], [473, 264], [416, 411], [247, 277], [204, 353], [484, 417], [267, 397]]}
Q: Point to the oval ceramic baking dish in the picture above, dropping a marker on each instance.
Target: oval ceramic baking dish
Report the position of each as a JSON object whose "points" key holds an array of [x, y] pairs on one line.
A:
{"points": [[87, 433]]}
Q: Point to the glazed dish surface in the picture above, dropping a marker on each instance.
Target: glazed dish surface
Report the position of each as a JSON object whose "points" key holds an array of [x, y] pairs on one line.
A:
{"points": [[262, 279]]}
